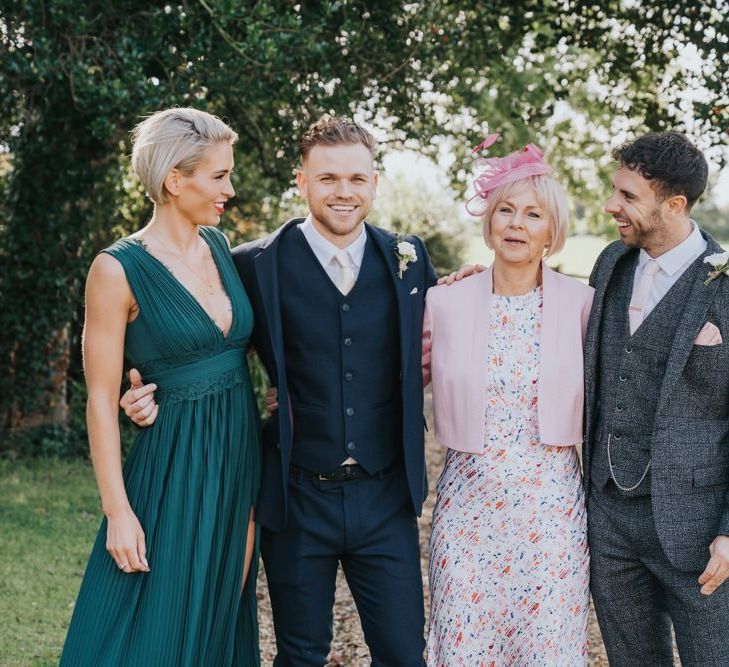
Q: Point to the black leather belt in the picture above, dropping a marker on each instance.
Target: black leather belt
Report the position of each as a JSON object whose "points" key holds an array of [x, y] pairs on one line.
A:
{"points": [[345, 473]]}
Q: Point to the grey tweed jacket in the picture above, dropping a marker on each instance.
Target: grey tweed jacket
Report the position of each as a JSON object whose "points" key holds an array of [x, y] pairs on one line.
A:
{"points": [[689, 445]]}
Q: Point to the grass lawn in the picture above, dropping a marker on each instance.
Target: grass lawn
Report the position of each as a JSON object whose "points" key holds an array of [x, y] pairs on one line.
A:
{"points": [[49, 516]]}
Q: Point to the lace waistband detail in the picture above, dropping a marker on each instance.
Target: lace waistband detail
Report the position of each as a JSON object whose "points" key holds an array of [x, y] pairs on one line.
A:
{"points": [[200, 388], [206, 375]]}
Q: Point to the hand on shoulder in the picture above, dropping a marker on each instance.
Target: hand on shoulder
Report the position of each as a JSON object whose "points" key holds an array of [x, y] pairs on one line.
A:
{"points": [[465, 271]]}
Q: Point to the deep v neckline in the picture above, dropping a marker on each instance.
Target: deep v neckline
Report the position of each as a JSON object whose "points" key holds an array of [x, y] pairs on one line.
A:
{"points": [[225, 336]]}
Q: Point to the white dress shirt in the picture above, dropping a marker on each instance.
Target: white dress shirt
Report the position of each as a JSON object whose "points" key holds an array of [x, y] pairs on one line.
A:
{"points": [[325, 250], [672, 266]]}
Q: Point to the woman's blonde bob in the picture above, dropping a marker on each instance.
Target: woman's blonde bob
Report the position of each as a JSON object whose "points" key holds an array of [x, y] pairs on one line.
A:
{"points": [[550, 196], [174, 139]]}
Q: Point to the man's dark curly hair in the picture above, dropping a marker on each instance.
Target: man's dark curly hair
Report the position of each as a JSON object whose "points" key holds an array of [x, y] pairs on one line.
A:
{"points": [[670, 160]]}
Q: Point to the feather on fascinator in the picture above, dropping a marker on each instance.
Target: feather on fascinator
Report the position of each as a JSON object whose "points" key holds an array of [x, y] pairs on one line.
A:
{"points": [[496, 171]]}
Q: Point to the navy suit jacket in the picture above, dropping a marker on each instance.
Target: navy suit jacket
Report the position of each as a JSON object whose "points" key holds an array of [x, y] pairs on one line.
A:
{"points": [[257, 265]]}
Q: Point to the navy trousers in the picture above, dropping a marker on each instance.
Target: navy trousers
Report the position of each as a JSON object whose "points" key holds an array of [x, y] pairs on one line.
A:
{"points": [[638, 594], [367, 526]]}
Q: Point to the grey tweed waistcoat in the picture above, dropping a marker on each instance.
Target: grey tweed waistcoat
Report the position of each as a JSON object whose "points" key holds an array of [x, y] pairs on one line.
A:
{"points": [[632, 370]]}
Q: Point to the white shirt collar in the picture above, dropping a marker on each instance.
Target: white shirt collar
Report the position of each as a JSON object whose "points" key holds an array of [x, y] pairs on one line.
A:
{"points": [[676, 258], [325, 250]]}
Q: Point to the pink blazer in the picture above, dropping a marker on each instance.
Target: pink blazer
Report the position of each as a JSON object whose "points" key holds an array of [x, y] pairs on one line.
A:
{"points": [[455, 348]]}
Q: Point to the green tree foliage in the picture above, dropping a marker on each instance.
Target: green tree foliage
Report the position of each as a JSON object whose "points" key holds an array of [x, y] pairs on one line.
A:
{"points": [[427, 210], [76, 76]]}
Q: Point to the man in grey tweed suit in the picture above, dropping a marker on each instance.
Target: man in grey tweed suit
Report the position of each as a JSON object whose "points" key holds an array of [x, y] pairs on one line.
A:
{"points": [[657, 417]]}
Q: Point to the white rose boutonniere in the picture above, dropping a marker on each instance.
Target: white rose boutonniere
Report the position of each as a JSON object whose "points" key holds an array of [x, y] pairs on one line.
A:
{"points": [[406, 254], [720, 262]]}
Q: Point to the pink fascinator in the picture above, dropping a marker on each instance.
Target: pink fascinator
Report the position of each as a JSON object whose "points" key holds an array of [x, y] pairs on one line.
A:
{"points": [[496, 171]]}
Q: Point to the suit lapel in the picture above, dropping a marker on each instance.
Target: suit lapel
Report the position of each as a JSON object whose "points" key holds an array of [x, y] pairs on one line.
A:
{"points": [[602, 283], [386, 244], [592, 337], [266, 268], [692, 319]]}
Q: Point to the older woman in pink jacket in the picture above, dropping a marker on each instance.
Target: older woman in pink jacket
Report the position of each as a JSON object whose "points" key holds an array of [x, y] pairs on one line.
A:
{"points": [[508, 553]]}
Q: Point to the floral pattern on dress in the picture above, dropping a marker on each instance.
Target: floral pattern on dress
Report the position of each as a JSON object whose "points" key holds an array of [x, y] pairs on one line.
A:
{"points": [[509, 565]]}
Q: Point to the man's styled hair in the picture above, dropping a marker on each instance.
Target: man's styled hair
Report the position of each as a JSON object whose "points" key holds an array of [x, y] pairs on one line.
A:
{"points": [[668, 159], [334, 131]]}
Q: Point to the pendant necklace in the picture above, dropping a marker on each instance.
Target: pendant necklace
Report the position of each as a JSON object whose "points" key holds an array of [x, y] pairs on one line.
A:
{"points": [[208, 281]]}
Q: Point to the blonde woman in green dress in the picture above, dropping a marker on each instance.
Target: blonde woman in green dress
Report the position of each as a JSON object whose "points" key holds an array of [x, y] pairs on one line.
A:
{"points": [[171, 578]]}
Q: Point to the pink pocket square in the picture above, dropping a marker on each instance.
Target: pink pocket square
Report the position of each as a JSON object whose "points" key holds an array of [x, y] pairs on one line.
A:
{"points": [[709, 335]]}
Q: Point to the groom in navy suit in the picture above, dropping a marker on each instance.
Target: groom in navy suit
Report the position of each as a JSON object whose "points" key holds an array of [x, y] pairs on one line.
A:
{"points": [[338, 308], [338, 317]]}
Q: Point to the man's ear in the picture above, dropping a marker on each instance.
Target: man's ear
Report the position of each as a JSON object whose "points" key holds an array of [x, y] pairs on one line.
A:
{"points": [[172, 182], [301, 182], [676, 205], [375, 183]]}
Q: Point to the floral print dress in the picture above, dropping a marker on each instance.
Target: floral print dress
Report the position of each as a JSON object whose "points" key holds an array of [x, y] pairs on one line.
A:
{"points": [[509, 567]]}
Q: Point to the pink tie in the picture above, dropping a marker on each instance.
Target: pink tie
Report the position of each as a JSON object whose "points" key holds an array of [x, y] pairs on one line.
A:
{"points": [[640, 294]]}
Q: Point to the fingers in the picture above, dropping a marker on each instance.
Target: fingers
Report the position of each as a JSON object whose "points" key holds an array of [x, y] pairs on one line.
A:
{"points": [[137, 555], [710, 571], [465, 271], [144, 403], [135, 378], [131, 558], [121, 558], [716, 572], [142, 551], [448, 280], [133, 396], [271, 400], [149, 419], [143, 407], [139, 405]]}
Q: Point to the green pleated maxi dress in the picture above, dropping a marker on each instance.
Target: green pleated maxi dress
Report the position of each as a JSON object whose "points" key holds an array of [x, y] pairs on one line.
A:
{"points": [[191, 479]]}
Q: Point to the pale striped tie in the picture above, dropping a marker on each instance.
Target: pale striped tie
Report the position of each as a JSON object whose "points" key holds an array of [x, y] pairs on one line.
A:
{"points": [[344, 276], [640, 294]]}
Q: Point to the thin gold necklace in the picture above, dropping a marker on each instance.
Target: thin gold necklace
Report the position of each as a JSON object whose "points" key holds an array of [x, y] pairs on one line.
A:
{"points": [[207, 280]]}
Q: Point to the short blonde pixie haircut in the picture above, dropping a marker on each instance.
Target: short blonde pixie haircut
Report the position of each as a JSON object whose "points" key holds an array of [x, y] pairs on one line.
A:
{"points": [[550, 196], [174, 139]]}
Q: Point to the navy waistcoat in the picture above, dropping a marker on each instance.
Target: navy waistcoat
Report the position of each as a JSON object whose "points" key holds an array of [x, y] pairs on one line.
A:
{"points": [[342, 360]]}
